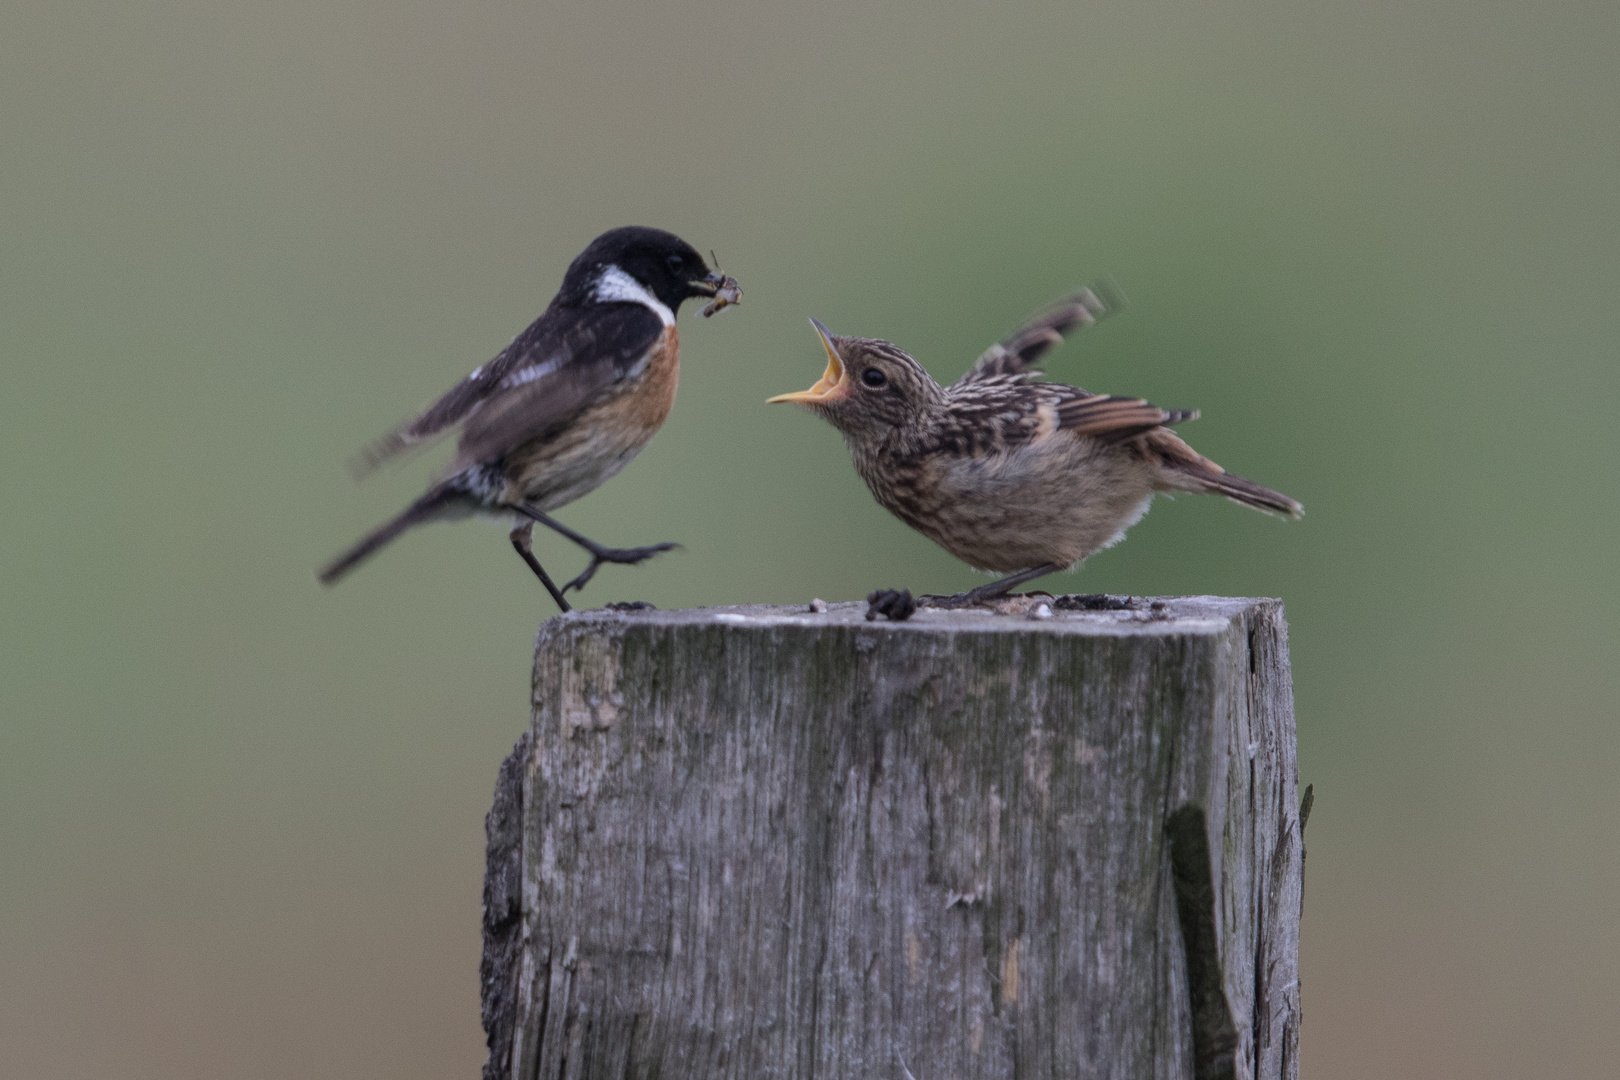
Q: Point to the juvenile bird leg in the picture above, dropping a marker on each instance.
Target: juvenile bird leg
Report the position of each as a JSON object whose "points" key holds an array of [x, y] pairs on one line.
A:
{"points": [[599, 554], [522, 535], [993, 591]]}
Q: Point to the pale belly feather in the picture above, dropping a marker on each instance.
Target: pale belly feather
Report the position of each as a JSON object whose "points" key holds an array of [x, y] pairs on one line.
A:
{"points": [[602, 440]]}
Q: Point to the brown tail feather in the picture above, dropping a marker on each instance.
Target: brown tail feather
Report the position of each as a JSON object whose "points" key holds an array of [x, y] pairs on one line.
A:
{"points": [[1248, 493], [428, 507], [1181, 468]]}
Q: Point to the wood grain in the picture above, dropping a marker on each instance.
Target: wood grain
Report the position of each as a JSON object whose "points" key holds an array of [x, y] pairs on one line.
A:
{"points": [[760, 842]]}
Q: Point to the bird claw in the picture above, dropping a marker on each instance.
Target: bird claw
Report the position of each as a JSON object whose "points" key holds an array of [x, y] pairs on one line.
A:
{"points": [[953, 602], [984, 596], [618, 556]]}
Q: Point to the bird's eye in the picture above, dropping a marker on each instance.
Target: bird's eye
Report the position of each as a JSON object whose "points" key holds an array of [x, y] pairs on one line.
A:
{"points": [[873, 377], [675, 262]]}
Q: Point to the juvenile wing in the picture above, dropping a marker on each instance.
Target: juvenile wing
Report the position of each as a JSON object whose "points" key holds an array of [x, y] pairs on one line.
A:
{"points": [[1114, 419], [1002, 412], [1043, 332]]}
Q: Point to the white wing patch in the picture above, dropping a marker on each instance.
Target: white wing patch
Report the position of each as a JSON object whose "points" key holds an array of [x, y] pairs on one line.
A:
{"points": [[524, 376], [614, 285]]}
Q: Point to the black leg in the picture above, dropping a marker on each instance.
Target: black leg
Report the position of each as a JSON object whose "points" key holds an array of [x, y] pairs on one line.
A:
{"points": [[599, 554], [993, 591], [521, 536]]}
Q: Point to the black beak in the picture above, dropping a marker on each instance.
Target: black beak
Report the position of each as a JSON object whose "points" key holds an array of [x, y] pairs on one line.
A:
{"points": [[706, 286]]}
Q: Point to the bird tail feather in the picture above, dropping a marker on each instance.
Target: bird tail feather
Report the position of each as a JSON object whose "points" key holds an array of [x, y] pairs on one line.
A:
{"points": [[1253, 495], [428, 507]]}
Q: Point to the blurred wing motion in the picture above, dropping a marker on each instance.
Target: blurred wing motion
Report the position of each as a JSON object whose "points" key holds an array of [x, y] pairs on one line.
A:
{"points": [[1019, 353], [539, 381]]}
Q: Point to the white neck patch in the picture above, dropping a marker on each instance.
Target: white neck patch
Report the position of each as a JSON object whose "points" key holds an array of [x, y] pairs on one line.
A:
{"points": [[613, 285]]}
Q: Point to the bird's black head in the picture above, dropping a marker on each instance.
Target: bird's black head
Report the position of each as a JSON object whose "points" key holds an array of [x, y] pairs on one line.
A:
{"points": [[621, 263]]}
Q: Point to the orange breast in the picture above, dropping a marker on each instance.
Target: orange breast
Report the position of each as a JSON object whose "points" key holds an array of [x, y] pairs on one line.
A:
{"points": [[646, 405], [603, 439]]}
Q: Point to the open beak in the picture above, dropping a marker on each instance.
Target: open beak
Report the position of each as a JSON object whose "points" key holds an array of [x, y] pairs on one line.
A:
{"points": [[833, 382]]}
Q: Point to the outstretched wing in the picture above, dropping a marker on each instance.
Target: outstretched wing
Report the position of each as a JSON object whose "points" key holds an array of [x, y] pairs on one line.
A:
{"points": [[541, 379], [1018, 354]]}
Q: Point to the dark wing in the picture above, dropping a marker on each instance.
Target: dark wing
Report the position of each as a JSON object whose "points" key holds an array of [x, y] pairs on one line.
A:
{"points": [[589, 352], [1043, 332], [550, 346], [532, 347]]}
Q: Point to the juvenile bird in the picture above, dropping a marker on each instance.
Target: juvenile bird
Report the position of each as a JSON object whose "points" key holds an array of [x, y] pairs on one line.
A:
{"points": [[565, 406], [1009, 474]]}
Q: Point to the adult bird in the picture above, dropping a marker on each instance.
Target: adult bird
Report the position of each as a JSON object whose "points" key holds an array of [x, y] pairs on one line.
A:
{"points": [[1010, 474], [565, 406]]}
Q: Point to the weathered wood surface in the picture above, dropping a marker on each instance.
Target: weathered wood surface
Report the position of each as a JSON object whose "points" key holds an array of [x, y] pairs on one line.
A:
{"points": [[760, 842]]}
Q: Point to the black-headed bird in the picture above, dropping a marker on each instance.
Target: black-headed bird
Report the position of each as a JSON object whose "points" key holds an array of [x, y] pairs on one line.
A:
{"points": [[565, 406]]}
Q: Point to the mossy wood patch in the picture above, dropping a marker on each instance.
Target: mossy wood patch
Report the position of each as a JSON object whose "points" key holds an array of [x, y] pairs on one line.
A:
{"points": [[762, 842]]}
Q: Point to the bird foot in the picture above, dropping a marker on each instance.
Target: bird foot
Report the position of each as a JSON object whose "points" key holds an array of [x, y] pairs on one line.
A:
{"points": [[984, 594], [946, 603], [1000, 602], [618, 556]]}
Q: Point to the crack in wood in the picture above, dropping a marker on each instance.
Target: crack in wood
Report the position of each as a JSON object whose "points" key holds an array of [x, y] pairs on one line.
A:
{"points": [[503, 912], [1214, 1035]]}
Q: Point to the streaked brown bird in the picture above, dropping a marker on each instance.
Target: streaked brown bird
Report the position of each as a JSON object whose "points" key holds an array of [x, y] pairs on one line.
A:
{"points": [[1009, 474], [565, 406]]}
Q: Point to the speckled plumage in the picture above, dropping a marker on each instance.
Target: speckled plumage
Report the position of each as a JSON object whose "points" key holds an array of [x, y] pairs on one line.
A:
{"points": [[1006, 472]]}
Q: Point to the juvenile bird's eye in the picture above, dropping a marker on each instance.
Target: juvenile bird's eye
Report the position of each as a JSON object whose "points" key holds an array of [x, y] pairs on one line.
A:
{"points": [[675, 263], [873, 377]]}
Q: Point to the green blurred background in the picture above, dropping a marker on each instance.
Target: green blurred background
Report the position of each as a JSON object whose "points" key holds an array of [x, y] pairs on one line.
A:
{"points": [[1378, 244]]}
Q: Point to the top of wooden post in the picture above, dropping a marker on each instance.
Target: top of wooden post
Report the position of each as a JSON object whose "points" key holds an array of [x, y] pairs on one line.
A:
{"points": [[1079, 614], [1084, 615]]}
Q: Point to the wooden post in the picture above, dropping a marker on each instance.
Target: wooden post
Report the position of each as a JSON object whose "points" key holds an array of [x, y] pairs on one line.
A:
{"points": [[763, 842]]}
